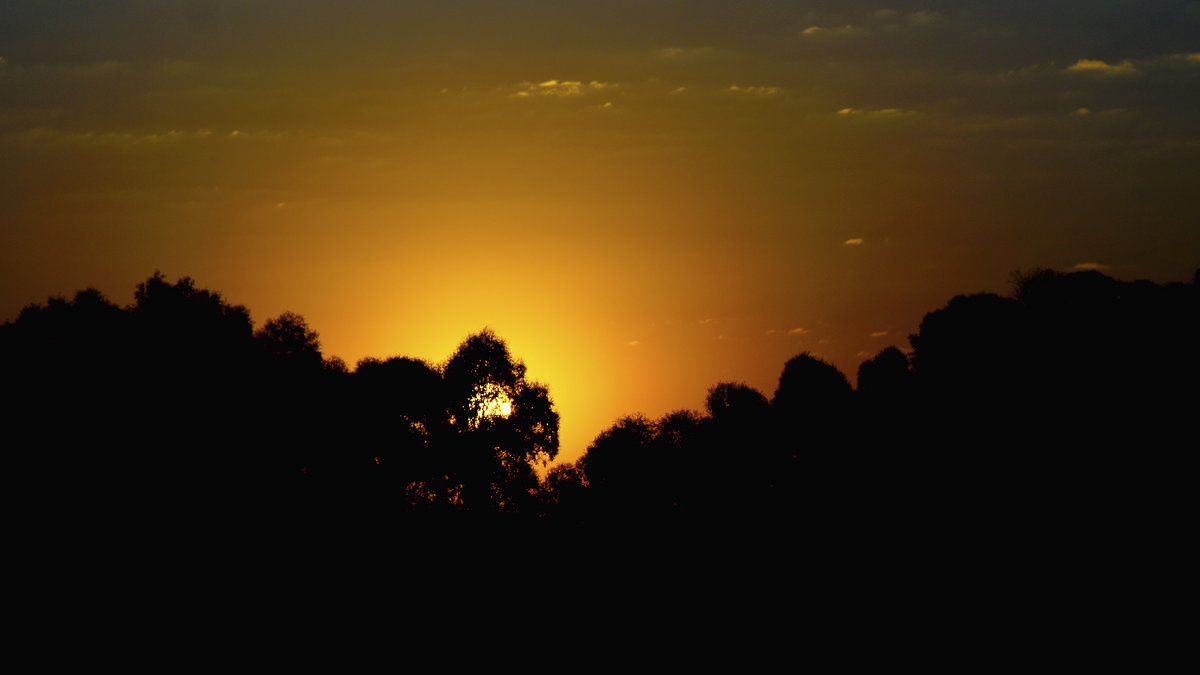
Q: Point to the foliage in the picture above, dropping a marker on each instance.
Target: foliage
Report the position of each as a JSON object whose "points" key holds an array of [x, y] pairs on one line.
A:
{"points": [[288, 338], [1068, 383]]}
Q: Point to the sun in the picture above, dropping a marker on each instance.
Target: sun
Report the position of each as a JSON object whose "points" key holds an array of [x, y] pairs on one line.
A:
{"points": [[491, 400]]}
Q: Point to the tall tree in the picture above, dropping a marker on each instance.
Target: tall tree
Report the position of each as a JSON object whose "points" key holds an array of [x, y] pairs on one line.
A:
{"points": [[506, 425], [288, 341]]}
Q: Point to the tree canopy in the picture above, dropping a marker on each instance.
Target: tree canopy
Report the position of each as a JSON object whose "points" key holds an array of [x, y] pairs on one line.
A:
{"points": [[1071, 376]]}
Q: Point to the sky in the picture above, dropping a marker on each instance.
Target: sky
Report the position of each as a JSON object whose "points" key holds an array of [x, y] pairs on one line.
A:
{"points": [[642, 197]]}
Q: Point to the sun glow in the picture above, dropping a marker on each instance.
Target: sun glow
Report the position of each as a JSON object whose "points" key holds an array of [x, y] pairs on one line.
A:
{"points": [[492, 401]]}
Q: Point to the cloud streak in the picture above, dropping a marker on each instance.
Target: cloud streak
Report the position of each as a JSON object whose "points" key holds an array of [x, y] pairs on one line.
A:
{"points": [[561, 88], [756, 90], [1102, 67]]}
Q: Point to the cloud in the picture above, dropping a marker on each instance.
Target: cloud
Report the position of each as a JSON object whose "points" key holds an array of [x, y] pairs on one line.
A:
{"points": [[832, 32], [3, 62], [879, 333], [633, 343], [561, 88], [43, 135], [856, 241], [1082, 111], [799, 331], [882, 112], [1102, 67], [1089, 266], [882, 21], [1187, 59], [704, 321], [757, 91]]}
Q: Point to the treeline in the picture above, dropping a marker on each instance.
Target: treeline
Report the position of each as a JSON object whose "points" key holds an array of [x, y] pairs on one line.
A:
{"points": [[1076, 395], [1077, 389], [178, 392]]}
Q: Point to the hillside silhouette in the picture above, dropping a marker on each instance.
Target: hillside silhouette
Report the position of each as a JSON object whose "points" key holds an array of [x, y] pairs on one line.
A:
{"points": [[1074, 395]]}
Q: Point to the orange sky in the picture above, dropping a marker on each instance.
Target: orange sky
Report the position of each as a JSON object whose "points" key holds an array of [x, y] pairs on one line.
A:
{"points": [[642, 198]]}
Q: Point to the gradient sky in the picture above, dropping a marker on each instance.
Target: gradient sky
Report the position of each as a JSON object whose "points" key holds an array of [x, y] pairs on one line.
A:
{"points": [[642, 197]]}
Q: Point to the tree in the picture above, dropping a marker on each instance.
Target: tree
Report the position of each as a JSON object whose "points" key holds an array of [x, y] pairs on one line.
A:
{"points": [[614, 462], [974, 346], [808, 384], [564, 492], [400, 427], [505, 424], [289, 343], [736, 402], [885, 375], [184, 328]]}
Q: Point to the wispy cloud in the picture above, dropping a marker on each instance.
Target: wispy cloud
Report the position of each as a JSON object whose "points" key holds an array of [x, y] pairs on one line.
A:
{"points": [[1102, 67], [633, 343], [799, 331], [560, 88], [757, 90], [873, 113], [882, 21], [116, 138], [831, 32], [856, 241], [1088, 266], [879, 333]]}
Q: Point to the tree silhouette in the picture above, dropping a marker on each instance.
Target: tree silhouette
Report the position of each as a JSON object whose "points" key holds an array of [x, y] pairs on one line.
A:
{"points": [[506, 425], [192, 316], [885, 375], [403, 428], [973, 347], [1074, 396], [736, 402], [288, 341], [811, 404], [810, 384], [733, 459], [564, 493]]}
